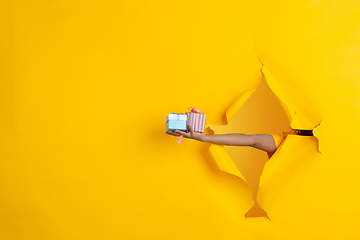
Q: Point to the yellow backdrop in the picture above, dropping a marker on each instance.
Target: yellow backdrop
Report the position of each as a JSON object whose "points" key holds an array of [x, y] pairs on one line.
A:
{"points": [[85, 87]]}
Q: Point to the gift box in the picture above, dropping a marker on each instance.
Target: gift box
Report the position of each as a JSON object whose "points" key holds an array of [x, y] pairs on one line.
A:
{"points": [[176, 121], [196, 120]]}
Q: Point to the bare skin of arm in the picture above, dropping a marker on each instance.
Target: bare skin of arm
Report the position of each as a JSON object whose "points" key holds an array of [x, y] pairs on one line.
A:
{"points": [[263, 142]]}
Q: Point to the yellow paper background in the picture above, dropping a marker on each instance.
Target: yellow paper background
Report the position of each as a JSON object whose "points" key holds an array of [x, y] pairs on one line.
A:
{"points": [[85, 87]]}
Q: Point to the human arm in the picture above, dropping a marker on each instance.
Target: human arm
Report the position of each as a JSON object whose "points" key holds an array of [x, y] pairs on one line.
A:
{"points": [[263, 142]]}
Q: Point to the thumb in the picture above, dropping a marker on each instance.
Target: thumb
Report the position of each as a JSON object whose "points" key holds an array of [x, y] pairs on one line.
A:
{"points": [[191, 130]]}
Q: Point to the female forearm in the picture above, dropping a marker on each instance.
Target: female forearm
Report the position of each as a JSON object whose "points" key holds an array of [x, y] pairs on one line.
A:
{"points": [[232, 139], [263, 142]]}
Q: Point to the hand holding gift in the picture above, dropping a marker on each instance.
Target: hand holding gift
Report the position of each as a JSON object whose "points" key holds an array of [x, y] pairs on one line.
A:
{"points": [[195, 122]]}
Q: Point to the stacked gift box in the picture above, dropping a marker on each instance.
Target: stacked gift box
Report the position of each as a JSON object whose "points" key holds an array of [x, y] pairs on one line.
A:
{"points": [[196, 120], [175, 121]]}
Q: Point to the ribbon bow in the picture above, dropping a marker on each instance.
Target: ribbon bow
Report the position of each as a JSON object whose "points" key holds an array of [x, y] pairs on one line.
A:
{"points": [[194, 110]]}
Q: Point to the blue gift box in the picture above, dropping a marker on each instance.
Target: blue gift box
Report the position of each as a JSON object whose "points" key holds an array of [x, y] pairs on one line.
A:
{"points": [[176, 121]]}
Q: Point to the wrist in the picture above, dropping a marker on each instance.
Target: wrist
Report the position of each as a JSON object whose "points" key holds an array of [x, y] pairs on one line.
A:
{"points": [[204, 138]]}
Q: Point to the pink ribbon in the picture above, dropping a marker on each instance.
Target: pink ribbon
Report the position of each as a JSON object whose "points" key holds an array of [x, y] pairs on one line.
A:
{"points": [[180, 138]]}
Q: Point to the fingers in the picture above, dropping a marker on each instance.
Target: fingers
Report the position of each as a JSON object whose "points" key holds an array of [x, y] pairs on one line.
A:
{"points": [[177, 133], [185, 134], [173, 133]]}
